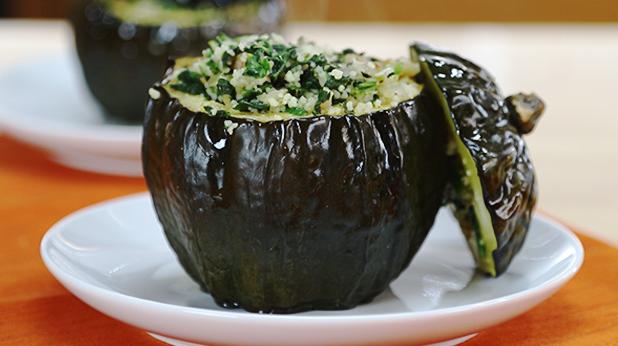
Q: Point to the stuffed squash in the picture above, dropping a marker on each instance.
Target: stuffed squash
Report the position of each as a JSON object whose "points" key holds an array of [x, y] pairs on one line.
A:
{"points": [[289, 177]]}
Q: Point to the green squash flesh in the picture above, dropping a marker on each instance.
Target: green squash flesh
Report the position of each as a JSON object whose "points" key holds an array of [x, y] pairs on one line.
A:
{"points": [[492, 188]]}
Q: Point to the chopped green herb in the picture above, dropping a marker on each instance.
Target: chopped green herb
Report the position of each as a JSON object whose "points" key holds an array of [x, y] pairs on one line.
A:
{"points": [[187, 76], [222, 38], [333, 83], [323, 95], [318, 60], [218, 113], [257, 67], [295, 90], [192, 89], [336, 101], [296, 111], [251, 94], [309, 81], [366, 85], [226, 58], [190, 83], [249, 102], [212, 65], [224, 87], [249, 105], [279, 47], [279, 62]]}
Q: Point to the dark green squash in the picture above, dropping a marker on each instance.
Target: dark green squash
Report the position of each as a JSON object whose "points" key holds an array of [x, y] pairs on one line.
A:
{"points": [[291, 215], [492, 186], [121, 60]]}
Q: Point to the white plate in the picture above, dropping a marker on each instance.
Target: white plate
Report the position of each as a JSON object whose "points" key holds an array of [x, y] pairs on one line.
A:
{"points": [[46, 103], [115, 258]]}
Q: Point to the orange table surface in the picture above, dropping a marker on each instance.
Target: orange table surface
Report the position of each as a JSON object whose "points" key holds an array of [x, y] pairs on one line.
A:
{"points": [[36, 310]]}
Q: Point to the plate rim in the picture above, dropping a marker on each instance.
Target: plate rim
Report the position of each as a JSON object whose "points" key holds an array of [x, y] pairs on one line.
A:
{"points": [[550, 285]]}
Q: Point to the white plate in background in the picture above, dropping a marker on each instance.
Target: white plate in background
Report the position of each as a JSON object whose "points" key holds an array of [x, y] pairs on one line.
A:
{"points": [[46, 103], [114, 257]]}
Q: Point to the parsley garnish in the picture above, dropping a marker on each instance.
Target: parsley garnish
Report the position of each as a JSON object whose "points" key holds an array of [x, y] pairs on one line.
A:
{"points": [[212, 65], [249, 105], [296, 111], [323, 96], [190, 83], [257, 67], [224, 87], [366, 85]]}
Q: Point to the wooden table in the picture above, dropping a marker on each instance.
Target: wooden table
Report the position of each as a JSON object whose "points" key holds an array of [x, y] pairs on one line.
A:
{"points": [[35, 193]]}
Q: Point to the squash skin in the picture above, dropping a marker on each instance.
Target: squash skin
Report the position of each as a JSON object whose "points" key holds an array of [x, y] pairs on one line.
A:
{"points": [[486, 123], [295, 215], [119, 70]]}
